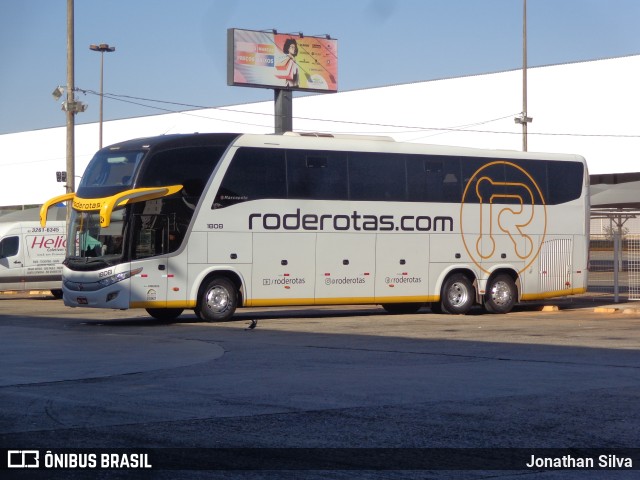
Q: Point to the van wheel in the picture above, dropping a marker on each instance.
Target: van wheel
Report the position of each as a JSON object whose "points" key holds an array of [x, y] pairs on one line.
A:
{"points": [[218, 300], [501, 295], [164, 313], [401, 308], [57, 294], [458, 294]]}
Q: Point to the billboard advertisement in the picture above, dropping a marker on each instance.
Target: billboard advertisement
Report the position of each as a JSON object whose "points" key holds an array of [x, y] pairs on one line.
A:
{"points": [[282, 61]]}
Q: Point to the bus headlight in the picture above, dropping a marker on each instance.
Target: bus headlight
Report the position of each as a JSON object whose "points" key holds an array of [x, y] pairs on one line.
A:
{"points": [[118, 277]]}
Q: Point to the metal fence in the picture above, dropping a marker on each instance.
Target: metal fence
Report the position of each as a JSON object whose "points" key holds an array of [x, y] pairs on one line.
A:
{"points": [[634, 266], [614, 264]]}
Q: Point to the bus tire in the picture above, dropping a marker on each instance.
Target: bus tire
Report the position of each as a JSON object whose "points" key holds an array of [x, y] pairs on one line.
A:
{"points": [[501, 295], [458, 294], [164, 313], [218, 300], [401, 308], [57, 293]]}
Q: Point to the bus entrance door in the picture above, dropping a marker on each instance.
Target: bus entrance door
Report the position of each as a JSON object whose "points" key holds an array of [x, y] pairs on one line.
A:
{"points": [[151, 240]]}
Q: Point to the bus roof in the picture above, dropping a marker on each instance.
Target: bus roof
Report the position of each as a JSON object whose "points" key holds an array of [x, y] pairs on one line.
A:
{"points": [[339, 142], [370, 143]]}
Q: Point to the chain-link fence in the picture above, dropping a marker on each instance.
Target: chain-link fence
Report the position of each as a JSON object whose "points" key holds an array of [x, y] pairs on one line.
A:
{"points": [[614, 264], [633, 266]]}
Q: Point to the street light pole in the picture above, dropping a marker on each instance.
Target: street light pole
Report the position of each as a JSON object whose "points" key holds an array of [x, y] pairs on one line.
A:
{"points": [[523, 119], [103, 47], [524, 77], [70, 111]]}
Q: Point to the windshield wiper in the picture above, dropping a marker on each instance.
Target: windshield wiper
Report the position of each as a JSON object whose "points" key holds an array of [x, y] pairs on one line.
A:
{"points": [[85, 263]]}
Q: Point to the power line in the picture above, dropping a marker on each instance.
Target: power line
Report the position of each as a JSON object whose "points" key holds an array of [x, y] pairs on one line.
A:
{"points": [[129, 99], [125, 99]]}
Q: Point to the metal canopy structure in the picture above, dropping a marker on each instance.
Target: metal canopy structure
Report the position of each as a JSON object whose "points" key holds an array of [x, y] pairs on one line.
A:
{"points": [[616, 197], [615, 191]]}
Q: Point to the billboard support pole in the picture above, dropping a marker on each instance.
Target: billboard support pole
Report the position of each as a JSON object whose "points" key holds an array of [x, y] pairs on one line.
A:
{"points": [[283, 114]]}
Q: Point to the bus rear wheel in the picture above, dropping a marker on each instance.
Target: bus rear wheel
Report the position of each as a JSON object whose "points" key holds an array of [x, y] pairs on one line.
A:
{"points": [[458, 294], [218, 300], [501, 294], [164, 313], [401, 308]]}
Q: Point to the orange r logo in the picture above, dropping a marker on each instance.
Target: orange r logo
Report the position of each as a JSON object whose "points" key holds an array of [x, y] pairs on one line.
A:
{"points": [[499, 216]]}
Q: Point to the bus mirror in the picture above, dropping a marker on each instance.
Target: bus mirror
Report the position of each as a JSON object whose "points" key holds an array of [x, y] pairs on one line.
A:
{"points": [[47, 205], [134, 195]]}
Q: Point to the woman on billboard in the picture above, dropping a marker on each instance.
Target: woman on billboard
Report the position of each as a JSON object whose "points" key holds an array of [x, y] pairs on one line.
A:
{"points": [[288, 68]]}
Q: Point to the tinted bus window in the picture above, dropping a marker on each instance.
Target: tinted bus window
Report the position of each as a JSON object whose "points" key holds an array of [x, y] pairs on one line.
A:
{"points": [[377, 176], [317, 175], [565, 181], [434, 178], [254, 173], [529, 184], [191, 165]]}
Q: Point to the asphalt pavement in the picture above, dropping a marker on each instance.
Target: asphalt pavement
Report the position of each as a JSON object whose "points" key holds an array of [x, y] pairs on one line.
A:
{"points": [[353, 381]]}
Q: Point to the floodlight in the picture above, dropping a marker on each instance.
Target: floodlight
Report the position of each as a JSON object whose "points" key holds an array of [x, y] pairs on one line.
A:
{"points": [[57, 93]]}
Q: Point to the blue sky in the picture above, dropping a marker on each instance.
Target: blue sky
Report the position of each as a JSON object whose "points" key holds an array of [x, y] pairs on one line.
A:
{"points": [[175, 51]]}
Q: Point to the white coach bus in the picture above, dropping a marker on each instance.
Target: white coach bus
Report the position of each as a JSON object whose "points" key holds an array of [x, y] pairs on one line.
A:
{"points": [[212, 222]]}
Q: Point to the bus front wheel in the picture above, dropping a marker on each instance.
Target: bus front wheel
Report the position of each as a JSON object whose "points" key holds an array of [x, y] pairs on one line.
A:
{"points": [[218, 300], [458, 295]]}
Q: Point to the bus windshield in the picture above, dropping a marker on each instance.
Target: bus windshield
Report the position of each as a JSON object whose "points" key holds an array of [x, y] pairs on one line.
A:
{"points": [[111, 168], [92, 240]]}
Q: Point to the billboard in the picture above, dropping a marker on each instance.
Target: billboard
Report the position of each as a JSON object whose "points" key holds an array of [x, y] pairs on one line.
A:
{"points": [[282, 61]]}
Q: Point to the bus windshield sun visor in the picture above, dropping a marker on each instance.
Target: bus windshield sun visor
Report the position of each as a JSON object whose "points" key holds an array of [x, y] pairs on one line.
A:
{"points": [[107, 205]]}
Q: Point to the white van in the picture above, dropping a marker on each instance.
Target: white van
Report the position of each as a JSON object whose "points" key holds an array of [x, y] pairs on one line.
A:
{"points": [[31, 255]]}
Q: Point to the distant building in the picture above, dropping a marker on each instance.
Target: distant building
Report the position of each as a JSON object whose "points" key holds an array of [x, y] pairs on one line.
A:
{"points": [[588, 108]]}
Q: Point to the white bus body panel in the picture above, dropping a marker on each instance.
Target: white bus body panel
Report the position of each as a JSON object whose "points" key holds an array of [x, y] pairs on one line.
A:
{"points": [[81, 289], [283, 268], [150, 285], [345, 266], [402, 267]]}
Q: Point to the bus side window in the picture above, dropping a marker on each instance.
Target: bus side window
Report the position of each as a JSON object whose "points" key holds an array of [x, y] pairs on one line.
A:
{"points": [[565, 181], [319, 175], [377, 177], [254, 173], [434, 178]]}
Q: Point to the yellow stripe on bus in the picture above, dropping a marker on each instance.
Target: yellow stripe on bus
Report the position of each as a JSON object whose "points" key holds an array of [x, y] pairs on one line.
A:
{"points": [[285, 302], [290, 302], [161, 304], [556, 293]]}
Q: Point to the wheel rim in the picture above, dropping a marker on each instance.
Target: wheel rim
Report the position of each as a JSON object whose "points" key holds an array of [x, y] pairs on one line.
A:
{"points": [[501, 293], [217, 299], [458, 294]]}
